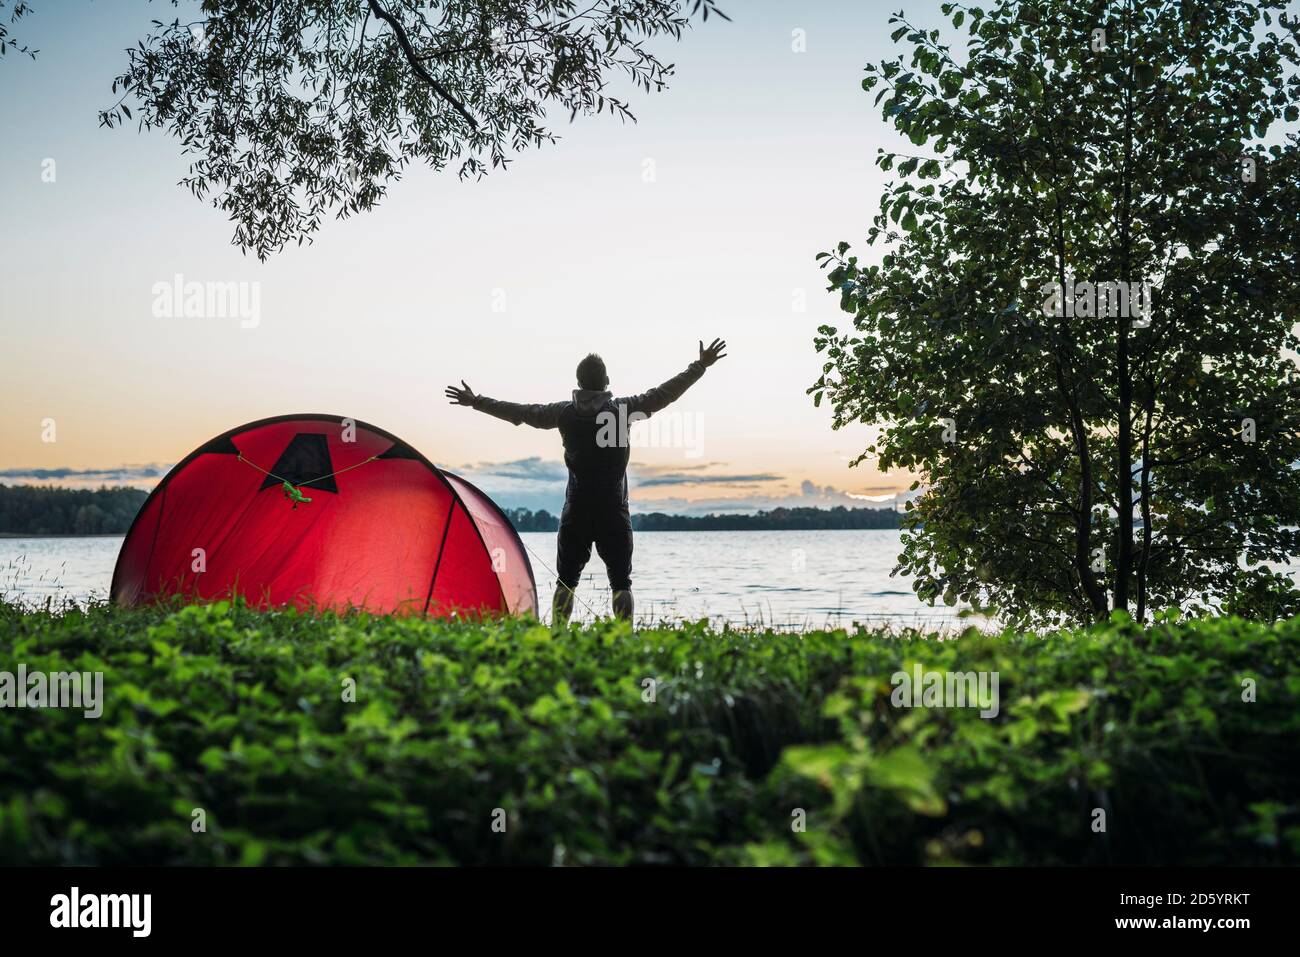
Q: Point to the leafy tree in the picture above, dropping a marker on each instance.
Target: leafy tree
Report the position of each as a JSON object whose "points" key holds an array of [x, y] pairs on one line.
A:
{"points": [[1092, 460], [296, 108], [7, 40]]}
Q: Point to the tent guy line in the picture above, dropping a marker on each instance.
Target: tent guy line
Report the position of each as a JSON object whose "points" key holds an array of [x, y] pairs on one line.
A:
{"points": [[550, 571], [296, 493]]}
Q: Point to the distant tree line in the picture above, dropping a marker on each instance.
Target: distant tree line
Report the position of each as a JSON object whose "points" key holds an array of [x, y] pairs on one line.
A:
{"points": [[526, 520], [838, 517], [46, 510], [778, 518]]}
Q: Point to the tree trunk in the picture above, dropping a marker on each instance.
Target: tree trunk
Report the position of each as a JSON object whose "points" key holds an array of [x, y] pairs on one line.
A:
{"points": [[1124, 452]]}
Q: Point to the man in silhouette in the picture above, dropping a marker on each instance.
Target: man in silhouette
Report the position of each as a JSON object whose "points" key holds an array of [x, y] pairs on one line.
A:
{"points": [[594, 429]]}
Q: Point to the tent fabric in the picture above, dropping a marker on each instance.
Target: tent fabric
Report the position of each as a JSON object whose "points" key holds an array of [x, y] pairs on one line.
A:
{"points": [[385, 531]]}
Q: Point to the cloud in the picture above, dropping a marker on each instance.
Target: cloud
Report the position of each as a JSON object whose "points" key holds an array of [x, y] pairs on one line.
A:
{"points": [[662, 469], [808, 495], [538, 483], [868, 491], [681, 478], [534, 483], [143, 476], [651, 476], [520, 473], [533, 469]]}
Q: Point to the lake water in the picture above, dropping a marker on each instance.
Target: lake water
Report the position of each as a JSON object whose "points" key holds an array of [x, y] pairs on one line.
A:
{"points": [[783, 579], [777, 578]]}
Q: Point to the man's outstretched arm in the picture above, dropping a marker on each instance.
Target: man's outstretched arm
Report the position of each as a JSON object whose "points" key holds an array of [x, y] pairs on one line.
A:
{"points": [[651, 401], [538, 416]]}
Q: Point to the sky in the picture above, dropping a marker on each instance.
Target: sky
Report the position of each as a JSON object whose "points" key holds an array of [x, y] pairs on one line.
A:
{"points": [[632, 240]]}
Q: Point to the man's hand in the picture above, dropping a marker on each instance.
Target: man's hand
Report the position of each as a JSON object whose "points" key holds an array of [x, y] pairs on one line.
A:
{"points": [[461, 396], [713, 353]]}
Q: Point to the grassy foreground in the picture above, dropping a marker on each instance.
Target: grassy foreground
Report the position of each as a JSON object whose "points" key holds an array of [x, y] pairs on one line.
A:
{"points": [[756, 748]]}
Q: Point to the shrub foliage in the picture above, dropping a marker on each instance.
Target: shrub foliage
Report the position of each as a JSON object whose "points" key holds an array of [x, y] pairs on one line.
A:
{"points": [[241, 714]]}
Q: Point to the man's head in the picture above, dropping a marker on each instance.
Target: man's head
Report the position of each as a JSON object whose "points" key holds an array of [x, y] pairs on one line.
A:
{"points": [[591, 373]]}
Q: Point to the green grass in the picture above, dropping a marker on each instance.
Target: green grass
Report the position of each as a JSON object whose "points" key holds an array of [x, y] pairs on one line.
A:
{"points": [[241, 714]]}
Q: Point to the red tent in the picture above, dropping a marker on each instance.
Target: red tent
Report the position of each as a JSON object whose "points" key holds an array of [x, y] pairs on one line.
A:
{"points": [[366, 522]]}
